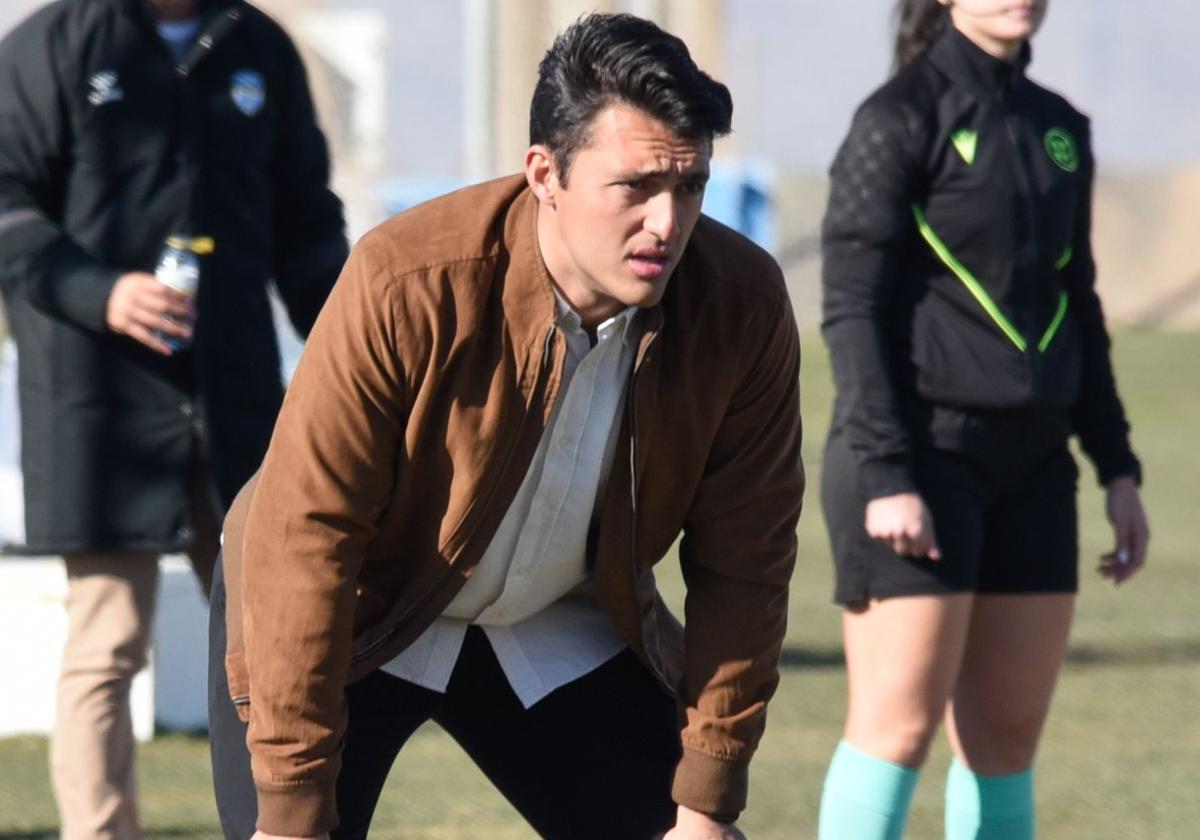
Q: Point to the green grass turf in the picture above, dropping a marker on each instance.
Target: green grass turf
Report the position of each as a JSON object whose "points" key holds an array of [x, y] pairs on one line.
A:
{"points": [[1121, 754]]}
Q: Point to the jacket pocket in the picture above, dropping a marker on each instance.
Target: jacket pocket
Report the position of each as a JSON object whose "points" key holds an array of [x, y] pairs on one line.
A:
{"points": [[964, 361], [1061, 366]]}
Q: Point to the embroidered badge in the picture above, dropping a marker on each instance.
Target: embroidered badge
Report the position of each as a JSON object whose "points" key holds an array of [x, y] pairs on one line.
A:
{"points": [[964, 140], [1062, 149], [248, 91], [105, 87]]}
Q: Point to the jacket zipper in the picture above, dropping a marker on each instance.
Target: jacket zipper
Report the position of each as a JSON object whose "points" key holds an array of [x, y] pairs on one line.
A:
{"points": [[365, 652], [633, 487], [1025, 188], [186, 150]]}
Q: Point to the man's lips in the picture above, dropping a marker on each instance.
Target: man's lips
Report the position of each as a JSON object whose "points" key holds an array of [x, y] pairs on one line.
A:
{"points": [[650, 263]]}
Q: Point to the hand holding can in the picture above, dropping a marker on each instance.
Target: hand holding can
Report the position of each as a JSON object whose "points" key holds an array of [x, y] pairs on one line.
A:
{"points": [[179, 269]]}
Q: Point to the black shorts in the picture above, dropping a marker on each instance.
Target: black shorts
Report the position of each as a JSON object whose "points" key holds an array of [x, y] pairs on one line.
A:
{"points": [[998, 533]]}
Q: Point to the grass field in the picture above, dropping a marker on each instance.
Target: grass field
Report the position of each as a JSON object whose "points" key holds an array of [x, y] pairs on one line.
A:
{"points": [[1120, 759]]}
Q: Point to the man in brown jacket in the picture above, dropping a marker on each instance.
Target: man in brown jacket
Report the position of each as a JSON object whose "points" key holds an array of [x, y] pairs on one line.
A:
{"points": [[515, 400]]}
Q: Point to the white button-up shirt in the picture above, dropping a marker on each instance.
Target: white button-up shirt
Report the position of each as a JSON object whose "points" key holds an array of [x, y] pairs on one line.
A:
{"points": [[531, 592]]}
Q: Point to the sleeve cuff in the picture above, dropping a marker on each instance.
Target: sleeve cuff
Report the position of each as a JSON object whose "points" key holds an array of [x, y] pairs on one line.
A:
{"points": [[81, 287], [714, 786], [61, 278], [1109, 470], [306, 809], [304, 282], [888, 476]]}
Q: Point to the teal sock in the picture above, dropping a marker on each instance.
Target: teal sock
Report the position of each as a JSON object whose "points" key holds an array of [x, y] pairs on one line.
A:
{"points": [[865, 798], [988, 807]]}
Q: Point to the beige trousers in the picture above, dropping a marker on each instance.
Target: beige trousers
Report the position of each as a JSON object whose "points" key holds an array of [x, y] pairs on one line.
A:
{"points": [[110, 609], [110, 605]]}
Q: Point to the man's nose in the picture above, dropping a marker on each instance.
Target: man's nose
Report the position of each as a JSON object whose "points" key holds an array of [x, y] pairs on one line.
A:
{"points": [[662, 216]]}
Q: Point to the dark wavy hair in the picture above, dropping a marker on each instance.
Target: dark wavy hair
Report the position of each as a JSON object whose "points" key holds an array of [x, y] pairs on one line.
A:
{"points": [[603, 59], [918, 25]]}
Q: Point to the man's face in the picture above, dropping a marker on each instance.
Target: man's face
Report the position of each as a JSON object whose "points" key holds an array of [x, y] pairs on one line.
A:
{"points": [[612, 236]]}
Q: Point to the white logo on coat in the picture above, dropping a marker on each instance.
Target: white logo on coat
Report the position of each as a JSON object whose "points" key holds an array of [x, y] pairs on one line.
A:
{"points": [[106, 87], [249, 91]]}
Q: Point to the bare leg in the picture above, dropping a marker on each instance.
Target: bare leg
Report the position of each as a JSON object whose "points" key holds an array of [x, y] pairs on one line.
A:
{"points": [[1014, 650], [902, 658], [902, 661]]}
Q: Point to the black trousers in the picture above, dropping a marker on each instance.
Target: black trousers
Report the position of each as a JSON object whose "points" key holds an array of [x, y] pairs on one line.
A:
{"points": [[594, 759]]}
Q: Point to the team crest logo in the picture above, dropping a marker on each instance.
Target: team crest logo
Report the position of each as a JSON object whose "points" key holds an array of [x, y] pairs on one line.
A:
{"points": [[248, 91], [1062, 149], [105, 87]]}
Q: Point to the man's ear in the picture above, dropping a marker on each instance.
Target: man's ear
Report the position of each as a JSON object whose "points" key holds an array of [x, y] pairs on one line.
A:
{"points": [[542, 174]]}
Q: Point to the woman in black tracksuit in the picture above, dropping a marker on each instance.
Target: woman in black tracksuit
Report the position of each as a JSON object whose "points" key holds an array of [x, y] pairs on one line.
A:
{"points": [[968, 344]]}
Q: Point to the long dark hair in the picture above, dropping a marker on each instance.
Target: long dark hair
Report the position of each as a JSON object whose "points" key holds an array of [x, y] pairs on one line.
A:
{"points": [[918, 25]]}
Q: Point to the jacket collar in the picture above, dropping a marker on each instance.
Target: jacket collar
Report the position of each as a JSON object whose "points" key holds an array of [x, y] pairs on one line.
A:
{"points": [[207, 7], [964, 62], [528, 294]]}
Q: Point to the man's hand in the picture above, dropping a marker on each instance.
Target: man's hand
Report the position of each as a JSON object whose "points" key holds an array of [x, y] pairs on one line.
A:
{"points": [[902, 522], [692, 825], [1131, 530], [142, 308], [262, 835]]}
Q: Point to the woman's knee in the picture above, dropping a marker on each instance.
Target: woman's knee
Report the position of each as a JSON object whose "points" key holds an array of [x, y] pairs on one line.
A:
{"points": [[900, 736], [998, 742]]}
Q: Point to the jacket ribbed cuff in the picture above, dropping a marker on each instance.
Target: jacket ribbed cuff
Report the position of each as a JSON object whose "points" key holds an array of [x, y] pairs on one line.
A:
{"points": [[710, 785], [76, 285], [305, 809], [1112, 468], [883, 477]]}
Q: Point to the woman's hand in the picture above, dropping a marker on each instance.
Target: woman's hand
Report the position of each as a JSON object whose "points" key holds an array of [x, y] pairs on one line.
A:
{"points": [[1131, 530], [902, 522]]}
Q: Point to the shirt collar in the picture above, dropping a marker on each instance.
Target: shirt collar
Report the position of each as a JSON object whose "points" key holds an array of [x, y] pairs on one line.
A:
{"points": [[569, 319], [179, 30]]}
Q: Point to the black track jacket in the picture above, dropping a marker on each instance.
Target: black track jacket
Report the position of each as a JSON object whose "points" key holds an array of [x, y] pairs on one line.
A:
{"points": [[106, 148], [958, 273]]}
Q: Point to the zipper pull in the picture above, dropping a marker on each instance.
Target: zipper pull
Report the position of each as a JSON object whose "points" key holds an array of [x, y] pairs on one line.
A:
{"points": [[206, 41]]}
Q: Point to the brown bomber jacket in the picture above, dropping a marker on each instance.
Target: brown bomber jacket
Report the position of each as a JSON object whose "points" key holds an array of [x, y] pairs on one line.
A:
{"points": [[414, 412]]}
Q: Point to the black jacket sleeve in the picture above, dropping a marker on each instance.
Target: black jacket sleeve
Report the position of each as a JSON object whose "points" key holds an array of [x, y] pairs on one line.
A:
{"points": [[865, 223], [310, 235], [1097, 414], [38, 260]]}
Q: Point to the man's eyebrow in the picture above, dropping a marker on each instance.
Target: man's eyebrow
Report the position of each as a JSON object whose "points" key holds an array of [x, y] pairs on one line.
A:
{"points": [[664, 172]]}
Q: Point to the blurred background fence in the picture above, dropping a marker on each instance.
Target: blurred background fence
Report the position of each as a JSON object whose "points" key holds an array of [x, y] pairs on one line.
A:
{"points": [[420, 97]]}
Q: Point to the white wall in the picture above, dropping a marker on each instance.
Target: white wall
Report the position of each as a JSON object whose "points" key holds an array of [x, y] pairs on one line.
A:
{"points": [[170, 692]]}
